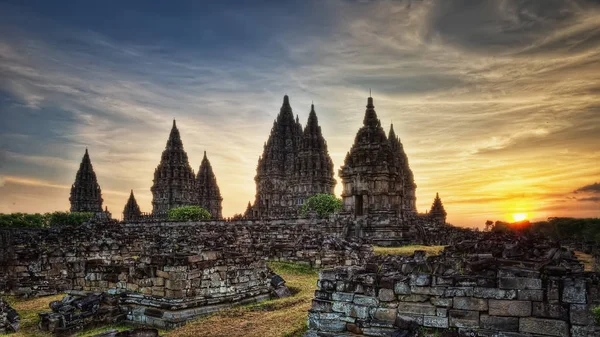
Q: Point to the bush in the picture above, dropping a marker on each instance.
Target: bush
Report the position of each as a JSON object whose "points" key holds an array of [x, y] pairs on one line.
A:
{"points": [[37, 220], [188, 213], [322, 204], [68, 218], [596, 314]]}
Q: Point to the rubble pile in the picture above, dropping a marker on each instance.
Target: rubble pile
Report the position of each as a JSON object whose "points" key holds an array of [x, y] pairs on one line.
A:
{"points": [[80, 310], [9, 318], [498, 285]]}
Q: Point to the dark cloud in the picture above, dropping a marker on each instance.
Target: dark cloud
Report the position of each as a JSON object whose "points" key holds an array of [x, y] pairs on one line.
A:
{"points": [[500, 25], [592, 199], [592, 188]]}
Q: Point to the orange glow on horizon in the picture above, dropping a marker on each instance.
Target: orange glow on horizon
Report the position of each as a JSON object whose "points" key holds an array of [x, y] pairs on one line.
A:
{"points": [[517, 217]]}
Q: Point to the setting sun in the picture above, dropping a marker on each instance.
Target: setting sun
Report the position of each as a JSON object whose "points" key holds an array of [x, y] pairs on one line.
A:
{"points": [[519, 216]]}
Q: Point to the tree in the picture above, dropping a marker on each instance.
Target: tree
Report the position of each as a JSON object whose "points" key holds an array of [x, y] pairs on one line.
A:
{"points": [[322, 204], [188, 213]]}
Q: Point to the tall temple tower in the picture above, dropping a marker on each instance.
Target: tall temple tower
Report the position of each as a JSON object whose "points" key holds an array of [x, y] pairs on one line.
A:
{"points": [[132, 209], [314, 167], [295, 164], [209, 195], [86, 195], [437, 212], [375, 175], [174, 179]]}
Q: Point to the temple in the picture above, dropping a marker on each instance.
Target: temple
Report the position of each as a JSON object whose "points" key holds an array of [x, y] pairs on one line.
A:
{"points": [[209, 195], [174, 180], [295, 165], [132, 209], [437, 212], [376, 177], [86, 195]]}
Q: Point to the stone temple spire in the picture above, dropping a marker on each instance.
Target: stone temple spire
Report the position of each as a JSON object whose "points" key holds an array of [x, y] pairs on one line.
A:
{"points": [[371, 173], [314, 172], [132, 209], [209, 195], [402, 169], [86, 195], [276, 165], [370, 114], [174, 179], [437, 212]]}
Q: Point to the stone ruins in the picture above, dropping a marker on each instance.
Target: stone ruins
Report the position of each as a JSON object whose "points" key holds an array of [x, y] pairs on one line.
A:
{"points": [[148, 271], [492, 286], [375, 175], [176, 185], [295, 165], [86, 195]]}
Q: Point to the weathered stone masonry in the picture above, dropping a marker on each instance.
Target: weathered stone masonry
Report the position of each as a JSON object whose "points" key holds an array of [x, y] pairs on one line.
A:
{"points": [[521, 289], [171, 272]]}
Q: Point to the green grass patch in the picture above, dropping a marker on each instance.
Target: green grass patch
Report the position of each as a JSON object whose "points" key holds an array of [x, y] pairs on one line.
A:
{"points": [[408, 250]]}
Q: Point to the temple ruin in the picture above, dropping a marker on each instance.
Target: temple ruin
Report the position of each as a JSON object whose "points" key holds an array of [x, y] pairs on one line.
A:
{"points": [[295, 165], [86, 195]]}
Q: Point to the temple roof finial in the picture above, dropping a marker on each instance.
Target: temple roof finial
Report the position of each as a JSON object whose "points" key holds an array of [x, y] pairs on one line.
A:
{"points": [[286, 99], [174, 124]]}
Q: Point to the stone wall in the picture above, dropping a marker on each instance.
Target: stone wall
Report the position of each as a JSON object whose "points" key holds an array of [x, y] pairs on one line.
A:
{"points": [[496, 286], [204, 266]]}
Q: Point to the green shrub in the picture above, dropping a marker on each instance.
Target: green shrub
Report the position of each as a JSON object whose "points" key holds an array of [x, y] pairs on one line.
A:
{"points": [[596, 314], [322, 204], [37, 220], [22, 220], [188, 213], [68, 218]]}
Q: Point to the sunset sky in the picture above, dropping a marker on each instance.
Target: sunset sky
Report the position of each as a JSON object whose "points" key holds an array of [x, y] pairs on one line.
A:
{"points": [[497, 103]]}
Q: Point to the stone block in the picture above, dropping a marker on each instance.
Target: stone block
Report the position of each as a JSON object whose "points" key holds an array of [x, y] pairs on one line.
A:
{"points": [[413, 298], [342, 297], [495, 293], [441, 302], [499, 323], [470, 303], [359, 311], [341, 307], [530, 295], [378, 331], [366, 300], [327, 325], [383, 314], [520, 283], [322, 306], [550, 310], [417, 308], [585, 331], [463, 319], [386, 295], [441, 312], [432, 291], [459, 291], [581, 314], [408, 321], [420, 280], [574, 291], [435, 321], [401, 288], [542, 326], [509, 308]]}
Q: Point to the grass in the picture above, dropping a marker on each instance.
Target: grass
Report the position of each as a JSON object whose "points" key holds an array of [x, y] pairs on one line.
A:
{"points": [[284, 317], [408, 250]]}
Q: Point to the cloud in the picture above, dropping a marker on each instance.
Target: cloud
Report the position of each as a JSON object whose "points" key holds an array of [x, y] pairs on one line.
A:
{"points": [[591, 188], [489, 117], [592, 199]]}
